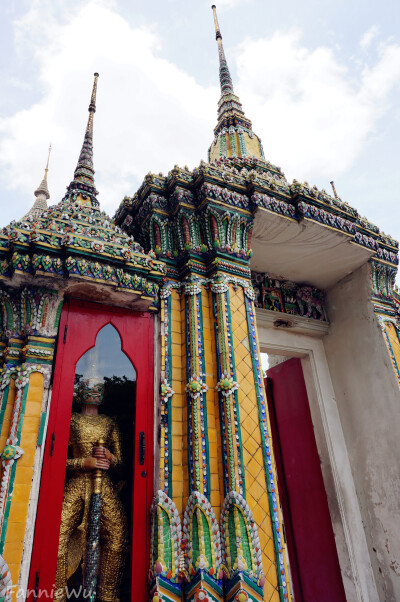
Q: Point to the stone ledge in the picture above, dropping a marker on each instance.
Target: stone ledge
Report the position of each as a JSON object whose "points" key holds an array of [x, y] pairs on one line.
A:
{"points": [[283, 321]]}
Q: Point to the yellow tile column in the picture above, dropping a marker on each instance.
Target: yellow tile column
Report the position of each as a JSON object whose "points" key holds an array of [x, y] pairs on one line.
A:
{"points": [[17, 518]]}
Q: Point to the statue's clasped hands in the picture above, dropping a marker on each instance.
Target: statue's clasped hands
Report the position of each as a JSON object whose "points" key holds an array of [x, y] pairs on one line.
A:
{"points": [[102, 458]]}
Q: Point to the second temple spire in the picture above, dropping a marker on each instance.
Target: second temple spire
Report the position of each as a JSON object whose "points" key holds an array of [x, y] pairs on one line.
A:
{"points": [[82, 187]]}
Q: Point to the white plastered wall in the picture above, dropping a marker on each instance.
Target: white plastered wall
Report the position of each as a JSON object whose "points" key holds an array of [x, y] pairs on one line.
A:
{"points": [[304, 339], [368, 400]]}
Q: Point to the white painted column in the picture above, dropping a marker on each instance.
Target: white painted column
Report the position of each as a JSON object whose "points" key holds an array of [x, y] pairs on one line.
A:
{"points": [[304, 339]]}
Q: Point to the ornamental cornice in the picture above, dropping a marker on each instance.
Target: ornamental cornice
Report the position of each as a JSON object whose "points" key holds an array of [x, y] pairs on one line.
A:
{"points": [[241, 187], [218, 284]]}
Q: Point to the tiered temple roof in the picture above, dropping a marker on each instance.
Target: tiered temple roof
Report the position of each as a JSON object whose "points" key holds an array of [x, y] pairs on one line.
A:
{"points": [[74, 241]]}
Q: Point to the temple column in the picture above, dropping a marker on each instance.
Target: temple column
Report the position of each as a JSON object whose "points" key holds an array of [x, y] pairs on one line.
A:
{"points": [[33, 316]]}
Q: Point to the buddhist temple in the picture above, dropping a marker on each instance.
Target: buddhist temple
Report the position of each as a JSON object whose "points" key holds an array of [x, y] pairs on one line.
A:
{"points": [[145, 453]]}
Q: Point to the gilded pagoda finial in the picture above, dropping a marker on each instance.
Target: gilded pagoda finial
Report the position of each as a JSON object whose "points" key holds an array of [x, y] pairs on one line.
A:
{"points": [[82, 187]]}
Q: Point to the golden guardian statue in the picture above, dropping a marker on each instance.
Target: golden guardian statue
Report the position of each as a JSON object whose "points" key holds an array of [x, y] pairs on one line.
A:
{"points": [[93, 522]]}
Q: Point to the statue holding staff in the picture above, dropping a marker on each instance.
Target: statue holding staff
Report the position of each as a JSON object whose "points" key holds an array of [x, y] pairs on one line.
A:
{"points": [[87, 429]]}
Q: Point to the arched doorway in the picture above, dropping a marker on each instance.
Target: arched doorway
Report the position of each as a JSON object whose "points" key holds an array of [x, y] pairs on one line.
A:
{"points": [[118, 345]]}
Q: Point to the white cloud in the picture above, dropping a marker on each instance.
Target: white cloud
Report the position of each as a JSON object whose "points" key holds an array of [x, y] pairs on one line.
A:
{"points": [[313, 114], [369, 36], [150, 114]]}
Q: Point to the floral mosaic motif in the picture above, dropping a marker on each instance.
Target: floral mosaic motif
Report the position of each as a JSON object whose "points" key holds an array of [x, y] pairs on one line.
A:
{"points": [[274, 204], [11, 453], [244, 166], [201, 537], [180, 195], [196, 386], [165, 537], [166, 391], [249, 292], [192, 288], [325, 217], [226, 385], [366, 241], [288, 297], [219, 285], [387, 255], [201, 595], [239, 535], [224, 195]]}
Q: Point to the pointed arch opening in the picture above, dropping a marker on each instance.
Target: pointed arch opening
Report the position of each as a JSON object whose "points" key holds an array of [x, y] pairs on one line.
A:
{"points": [[115, 348], [106, 363]]}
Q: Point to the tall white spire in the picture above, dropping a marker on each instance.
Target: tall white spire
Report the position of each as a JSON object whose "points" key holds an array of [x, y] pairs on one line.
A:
{"points": [[41, 193]]}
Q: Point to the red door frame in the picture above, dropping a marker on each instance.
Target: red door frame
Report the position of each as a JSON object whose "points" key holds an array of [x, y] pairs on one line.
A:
{"points": [[79, 325], [311, 543]]}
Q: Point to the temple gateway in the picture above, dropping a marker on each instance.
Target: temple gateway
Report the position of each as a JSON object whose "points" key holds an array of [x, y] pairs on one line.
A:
{"points": [[145, 454]]}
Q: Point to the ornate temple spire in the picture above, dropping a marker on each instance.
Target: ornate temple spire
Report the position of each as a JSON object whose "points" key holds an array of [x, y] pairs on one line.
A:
{"points": [[224, 74], [82, 187], [41, 193], [234, 136], [42, 189]]}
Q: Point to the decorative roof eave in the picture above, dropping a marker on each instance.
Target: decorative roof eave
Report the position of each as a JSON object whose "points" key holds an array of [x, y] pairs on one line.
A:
{"points": [[322, 198], [152, 183], [205, 173], [179, 177], [137, 262], [61, 273], [70, 242], [247, 185]]}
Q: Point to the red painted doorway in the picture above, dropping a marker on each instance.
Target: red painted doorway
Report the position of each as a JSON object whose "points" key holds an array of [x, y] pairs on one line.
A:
{"points": [[79, 326], [310, 539]]}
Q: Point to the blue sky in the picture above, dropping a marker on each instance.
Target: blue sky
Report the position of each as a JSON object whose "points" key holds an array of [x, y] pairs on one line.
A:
{"points": [[320, 81]]}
